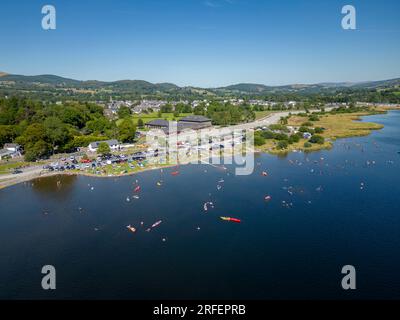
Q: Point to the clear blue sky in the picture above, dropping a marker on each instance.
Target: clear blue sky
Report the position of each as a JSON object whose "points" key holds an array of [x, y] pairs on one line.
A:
{"points": [[203, 42]]}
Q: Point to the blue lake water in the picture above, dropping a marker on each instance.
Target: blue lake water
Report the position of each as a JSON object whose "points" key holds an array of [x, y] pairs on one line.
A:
{"points": [[342, 207]]}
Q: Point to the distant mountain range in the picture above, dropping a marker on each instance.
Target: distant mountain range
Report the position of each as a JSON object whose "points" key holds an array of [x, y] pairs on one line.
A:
{"points": [[140, 87]]}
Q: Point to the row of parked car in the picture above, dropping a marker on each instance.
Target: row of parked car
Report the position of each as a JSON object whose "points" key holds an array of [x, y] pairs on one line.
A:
{"points": [[72, 163]]}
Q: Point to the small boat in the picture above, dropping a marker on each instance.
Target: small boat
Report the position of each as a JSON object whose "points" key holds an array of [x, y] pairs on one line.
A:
{"points": [[264, 173], [231, 219], [132, 229], [137, 189], [219, 187], [175, 173], [128, 199], [156, 224], [221, 181], [159, 184], [136, 197], [267, 198]]}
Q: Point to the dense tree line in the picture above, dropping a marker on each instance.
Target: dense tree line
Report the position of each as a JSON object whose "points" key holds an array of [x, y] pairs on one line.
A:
{"points": [[44, 129], [226, 113]]}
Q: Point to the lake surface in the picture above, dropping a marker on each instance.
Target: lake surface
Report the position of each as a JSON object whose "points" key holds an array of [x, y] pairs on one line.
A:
{"points": [[342, 207]]}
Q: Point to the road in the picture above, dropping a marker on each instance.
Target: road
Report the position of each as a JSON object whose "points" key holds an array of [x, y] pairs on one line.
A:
{"points": [[27, 174], [272, 118]]}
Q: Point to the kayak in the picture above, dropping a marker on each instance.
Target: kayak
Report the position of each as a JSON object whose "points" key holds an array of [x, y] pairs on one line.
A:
{"points": [[137, 189], [231, 219], [156, 224], [132, 229], [175, 173]]}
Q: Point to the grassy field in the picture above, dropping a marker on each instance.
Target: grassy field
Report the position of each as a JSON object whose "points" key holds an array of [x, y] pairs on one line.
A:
{"points": [[262, 114], [154, 115], [121, 169], [336, 126], [340, 125]]}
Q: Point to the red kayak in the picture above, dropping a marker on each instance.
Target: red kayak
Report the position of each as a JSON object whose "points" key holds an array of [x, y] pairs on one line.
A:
{"points": [[137, 189], [175, 173], [231, 219]]}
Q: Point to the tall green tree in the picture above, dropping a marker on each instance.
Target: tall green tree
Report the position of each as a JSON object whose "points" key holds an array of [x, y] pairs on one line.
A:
{"points": [[57, 132], [124, 112], [126, 131], [103, 148]]}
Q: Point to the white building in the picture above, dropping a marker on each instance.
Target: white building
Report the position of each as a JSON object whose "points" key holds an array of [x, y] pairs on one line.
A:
{"points": [[113, 144], [11, 150]]}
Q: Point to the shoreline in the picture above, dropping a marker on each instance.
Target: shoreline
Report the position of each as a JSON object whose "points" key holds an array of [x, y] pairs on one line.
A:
{"points": [[270, 147], [328, 145]]}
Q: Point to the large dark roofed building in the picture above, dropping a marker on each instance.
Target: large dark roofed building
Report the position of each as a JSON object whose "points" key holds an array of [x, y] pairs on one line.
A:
{"points": [[158, 123], [189, 122], [196, 119], [195, 122]]}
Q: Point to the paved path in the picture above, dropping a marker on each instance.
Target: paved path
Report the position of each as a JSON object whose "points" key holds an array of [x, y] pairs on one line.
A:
{"points": [[272, 118], [27, 174]]}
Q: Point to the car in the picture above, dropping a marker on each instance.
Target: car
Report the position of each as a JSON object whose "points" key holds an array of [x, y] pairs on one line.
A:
{"points": [[17, 171]]}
